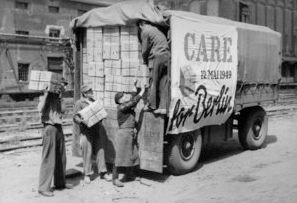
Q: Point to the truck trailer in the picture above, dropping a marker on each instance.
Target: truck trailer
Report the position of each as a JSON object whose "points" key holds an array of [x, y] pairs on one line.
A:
{"points": [[221, 75]]}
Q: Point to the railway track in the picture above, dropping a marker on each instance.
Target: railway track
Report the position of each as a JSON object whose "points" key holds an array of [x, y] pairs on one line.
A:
{"points": [[20, 127]]}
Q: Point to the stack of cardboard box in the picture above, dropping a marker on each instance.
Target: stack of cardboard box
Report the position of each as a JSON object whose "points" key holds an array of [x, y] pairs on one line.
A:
{"points": [[112, 62], [93, 113]]}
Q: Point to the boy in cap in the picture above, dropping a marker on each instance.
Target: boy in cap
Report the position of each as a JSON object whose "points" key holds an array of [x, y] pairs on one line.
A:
{"points": [[53, 163], [90, 140], [125, 145]]}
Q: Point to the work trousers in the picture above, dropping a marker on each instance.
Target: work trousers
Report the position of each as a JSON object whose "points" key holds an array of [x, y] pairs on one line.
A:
{"points": [[96, 144], [158, 93], [53, 162]]}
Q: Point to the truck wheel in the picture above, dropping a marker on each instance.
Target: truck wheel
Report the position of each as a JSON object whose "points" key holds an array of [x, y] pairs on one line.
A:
{"points": [[253, 127], [184, 152]]}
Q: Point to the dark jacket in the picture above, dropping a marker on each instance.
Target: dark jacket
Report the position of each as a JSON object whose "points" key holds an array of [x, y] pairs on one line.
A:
{"points": [[153, 43], [126, 113]]}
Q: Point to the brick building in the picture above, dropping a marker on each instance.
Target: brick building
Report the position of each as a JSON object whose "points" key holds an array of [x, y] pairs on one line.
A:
{"points": [[32, 36]]}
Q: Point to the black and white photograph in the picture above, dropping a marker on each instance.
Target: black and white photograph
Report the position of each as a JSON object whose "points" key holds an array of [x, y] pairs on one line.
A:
{"points": [[148, 101]]}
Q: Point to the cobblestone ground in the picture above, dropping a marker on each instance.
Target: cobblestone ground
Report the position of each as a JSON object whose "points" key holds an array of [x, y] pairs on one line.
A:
{"points": [[226, 174]]}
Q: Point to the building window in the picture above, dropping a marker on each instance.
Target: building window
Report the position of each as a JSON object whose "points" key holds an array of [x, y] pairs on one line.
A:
{"points": [[55, 64], [53, 9], [23, 69], [21, 5], [22, 32], [80, 12], [54, 33], [243, 13]]}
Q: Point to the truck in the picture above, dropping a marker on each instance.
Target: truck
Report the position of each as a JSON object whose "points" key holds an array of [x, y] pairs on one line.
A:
{"points": [[221, 75]]}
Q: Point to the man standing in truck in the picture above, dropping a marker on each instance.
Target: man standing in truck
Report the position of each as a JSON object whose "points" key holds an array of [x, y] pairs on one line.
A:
{"points": [[90, 139], [53, 163], [155, 53]]}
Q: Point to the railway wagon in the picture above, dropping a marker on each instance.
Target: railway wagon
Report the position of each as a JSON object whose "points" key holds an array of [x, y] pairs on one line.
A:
{"points": [[221, 72]]}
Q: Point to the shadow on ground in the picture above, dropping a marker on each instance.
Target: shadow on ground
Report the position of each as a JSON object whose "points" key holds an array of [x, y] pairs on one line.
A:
{"points": [[222, 150]]}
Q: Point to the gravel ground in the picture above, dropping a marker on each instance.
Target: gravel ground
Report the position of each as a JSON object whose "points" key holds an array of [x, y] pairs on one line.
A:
{"points": [[226, 173]]}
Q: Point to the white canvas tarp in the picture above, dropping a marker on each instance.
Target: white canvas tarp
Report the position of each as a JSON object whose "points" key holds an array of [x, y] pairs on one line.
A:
{"points": [[122, 13], [203, 74]]}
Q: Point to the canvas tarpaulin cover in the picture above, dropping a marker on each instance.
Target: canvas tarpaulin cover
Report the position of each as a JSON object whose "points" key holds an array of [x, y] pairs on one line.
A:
{"points": [[259, 48], [122, 13], [203, 74]]}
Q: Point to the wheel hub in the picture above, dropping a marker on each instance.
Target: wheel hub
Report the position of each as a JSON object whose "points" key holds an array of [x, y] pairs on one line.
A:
{"points": [[257, 129], [187, 147]]}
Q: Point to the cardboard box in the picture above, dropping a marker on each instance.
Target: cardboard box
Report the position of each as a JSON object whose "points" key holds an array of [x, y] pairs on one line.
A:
{"points": [[109, 86], [126, 72], [98, 54], [128, 55], [109, 78], [99, 69], [90, 38], [112, 64], [132, 88], [92, 82], [40, 80], [92, 69], [98, 38], [133, 72], [116, 71], [107, 102], [131, 63], [85, 68], [117, 79], [107, 71], [99, 84], [90, 54], [93, 113], [117, 87], [129, 30], [125, 80], [106, 50], [107, 94], [99, 95], [129, 46], [125, 88], [115, 51]]}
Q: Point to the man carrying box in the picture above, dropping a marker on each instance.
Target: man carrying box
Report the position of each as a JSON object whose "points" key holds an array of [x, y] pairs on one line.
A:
{"points": [[53, 163], [155, 53], [90, 140]]}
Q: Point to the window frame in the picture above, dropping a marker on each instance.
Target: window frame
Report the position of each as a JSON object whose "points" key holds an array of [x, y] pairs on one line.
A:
{"points": [[56, 60], [23, 5], [53, 9], [21, 72]]}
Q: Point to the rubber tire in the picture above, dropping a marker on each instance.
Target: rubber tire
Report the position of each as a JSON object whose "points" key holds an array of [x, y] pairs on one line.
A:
{"points": [[176, 164], [245, 132]]}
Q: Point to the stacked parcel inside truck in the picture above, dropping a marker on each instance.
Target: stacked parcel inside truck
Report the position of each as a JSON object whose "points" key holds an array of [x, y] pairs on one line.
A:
{"points": [[220, 71]]}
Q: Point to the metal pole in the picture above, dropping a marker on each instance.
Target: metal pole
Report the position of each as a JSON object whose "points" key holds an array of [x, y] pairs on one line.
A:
{"points": [[77, 68]]}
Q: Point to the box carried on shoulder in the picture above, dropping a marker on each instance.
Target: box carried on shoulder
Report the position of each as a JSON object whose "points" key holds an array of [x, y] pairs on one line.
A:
{"points": [[40, 80], [93, 113]]}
